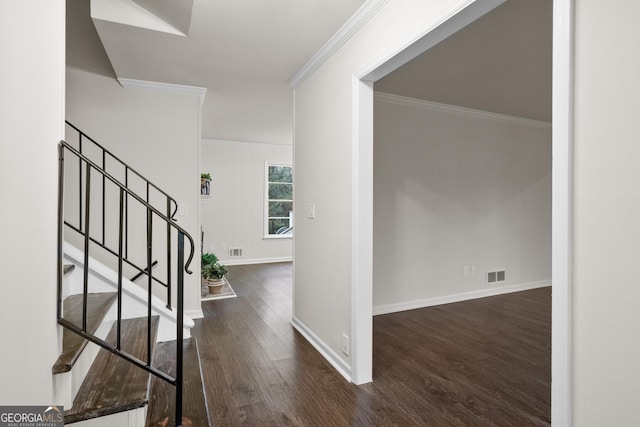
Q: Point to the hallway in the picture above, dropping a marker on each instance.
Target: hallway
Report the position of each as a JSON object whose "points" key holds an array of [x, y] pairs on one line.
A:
{"points": [[480, 362]]}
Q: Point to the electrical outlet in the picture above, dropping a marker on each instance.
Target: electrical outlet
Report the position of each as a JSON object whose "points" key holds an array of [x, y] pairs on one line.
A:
{"points": [[212, 248], [345, 344], [466, 270], [183, 209]]}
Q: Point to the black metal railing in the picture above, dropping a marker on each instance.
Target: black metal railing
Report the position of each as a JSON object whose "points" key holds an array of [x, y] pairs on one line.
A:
{"points": [[113, 165], [124, 197]]}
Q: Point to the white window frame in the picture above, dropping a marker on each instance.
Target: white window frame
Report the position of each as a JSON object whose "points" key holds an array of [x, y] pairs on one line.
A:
{"points": [[266, 203]]}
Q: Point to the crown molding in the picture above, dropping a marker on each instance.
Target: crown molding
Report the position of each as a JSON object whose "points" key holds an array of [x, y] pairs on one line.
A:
{"points": [[469, 112], [162, 87], [237, 142], [357, 20]]}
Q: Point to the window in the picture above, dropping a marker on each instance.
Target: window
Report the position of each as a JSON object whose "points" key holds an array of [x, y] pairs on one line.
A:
{"points": [[279, 201]]}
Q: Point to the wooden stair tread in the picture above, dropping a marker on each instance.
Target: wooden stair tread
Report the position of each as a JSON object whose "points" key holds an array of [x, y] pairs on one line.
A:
{"points": [[98, 305], [161, 411], [113, 384]]}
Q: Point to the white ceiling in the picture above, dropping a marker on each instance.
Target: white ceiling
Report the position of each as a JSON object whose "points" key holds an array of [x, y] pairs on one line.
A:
{"points": [[500, 63], [244, 52]]}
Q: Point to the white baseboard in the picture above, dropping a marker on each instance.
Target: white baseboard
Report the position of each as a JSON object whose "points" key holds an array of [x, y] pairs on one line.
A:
{"points": [[464, 296], [242, 261], [331, 356], [194, 314]]}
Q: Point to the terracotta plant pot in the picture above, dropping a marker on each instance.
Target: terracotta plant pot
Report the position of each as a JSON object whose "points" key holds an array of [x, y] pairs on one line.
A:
{"points": [[215, 285]]}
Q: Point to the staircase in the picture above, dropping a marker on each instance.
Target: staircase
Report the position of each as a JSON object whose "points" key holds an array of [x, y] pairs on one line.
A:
{"points": [[120, 362]]}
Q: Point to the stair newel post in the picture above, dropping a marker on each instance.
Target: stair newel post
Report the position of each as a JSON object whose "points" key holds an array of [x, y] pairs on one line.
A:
{"points": [[80, 182], [179, 331], [87, 240], [126, 213], [104, 197], [60, 225], [168, 254], [149, 277], [120, 272]]}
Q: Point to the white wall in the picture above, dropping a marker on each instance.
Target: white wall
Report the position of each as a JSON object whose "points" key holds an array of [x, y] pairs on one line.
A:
{"points": [[233, 217], [156, 133], [606, 378], [324, 159], [31, 117], [606, 212], [453, 188]]}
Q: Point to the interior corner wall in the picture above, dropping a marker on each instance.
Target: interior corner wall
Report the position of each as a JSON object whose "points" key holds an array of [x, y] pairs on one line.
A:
{"points": [[324, 159], [32, 123], [233, 217], [606, 278], [157, 134], [453, 188]]}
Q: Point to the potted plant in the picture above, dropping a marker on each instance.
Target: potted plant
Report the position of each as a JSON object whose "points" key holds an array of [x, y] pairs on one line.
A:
{"points": [[208, 258], [214, 274], [205, 184]]}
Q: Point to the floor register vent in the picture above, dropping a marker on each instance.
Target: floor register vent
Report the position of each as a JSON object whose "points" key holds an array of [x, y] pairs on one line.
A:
{"points": [[235, 252], [496, 276]]}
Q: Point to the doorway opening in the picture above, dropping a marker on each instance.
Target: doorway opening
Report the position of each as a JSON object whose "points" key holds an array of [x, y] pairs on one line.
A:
{"points": [[363, 184]]}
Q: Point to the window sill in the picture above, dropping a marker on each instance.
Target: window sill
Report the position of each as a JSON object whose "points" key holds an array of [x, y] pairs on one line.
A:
{"points": [[278, 236]]}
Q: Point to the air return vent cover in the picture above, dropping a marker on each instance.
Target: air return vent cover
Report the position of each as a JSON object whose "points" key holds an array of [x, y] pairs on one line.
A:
{"points": [[496, 276], [235, 252]]}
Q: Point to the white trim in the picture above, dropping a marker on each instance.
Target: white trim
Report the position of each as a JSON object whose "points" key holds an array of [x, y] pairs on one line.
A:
{"points": [[454, 109], [562, 215], [261, 144], [336, 361], [362, 233], [162, 87], [256, 260], [277, 237], [357, 20], [463, 296], [194, 314], [198, 161], [451, 20]]}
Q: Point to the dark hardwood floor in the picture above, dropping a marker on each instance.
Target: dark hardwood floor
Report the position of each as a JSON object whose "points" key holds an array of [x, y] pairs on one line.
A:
{"points": [[484, 362]]}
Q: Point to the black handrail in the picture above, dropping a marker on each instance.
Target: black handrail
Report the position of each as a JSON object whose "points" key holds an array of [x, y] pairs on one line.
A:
{"points": [[171, 203], [126, 195], [126, 166]]}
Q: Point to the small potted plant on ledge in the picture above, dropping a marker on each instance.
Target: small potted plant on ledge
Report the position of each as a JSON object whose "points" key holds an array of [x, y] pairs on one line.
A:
{"points": [[208, 258], [214, 274]]}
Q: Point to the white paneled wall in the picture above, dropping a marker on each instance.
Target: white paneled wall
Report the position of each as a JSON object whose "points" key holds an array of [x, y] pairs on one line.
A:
{"points": [[233, 217]]}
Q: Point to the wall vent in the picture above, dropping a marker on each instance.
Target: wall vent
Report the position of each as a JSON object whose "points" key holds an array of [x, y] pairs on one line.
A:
{"points": [[235, 252], [496, 276]]}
